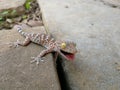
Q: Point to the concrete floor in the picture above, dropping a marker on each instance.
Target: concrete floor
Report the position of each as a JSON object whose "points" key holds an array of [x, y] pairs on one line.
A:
{"points": [[94, 26]]}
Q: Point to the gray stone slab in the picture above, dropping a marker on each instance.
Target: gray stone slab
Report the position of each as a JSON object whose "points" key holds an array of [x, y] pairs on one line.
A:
{"points": [[6, 4], [16, 71], [9, 5], [95, 28]]}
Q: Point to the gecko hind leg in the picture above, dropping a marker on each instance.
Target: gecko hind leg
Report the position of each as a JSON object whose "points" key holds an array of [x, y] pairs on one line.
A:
{"points": [[18, 42]]}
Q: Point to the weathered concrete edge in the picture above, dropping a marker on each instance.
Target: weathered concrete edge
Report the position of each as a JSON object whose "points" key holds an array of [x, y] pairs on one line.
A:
{"points": [[43, 18], [47, 30]]}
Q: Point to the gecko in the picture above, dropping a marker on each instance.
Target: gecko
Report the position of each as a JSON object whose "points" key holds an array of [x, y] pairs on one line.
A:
{"points": [[66, 49]]}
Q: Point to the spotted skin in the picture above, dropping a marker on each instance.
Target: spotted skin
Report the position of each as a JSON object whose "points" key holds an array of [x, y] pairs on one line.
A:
{"points": [[46, 41]]}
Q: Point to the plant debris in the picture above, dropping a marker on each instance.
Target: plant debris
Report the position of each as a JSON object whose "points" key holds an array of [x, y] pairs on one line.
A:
{"points": [[31, 17]]}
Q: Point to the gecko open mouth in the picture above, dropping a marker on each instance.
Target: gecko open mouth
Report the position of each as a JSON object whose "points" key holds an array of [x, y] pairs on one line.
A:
{"points": [[69, 56]]}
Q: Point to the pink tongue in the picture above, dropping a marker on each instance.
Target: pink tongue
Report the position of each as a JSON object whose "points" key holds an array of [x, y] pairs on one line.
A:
{"points": [[70, 56]]}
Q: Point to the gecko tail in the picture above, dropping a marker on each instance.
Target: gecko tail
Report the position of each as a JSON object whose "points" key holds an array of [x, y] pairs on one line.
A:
{"points": [[20, 30]]}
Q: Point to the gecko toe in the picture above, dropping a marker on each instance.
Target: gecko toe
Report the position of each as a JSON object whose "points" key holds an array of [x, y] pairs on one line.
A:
{"points": [[32, 58], [36, 59], [14, 44]]}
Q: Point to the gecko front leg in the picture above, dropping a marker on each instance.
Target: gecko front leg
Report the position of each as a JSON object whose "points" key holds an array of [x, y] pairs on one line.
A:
{"points": [[40, 56], [24, 43]]}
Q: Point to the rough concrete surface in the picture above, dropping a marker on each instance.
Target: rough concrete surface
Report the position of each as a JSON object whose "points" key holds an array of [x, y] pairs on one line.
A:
{"points": [[95, 28], [16, 71]]}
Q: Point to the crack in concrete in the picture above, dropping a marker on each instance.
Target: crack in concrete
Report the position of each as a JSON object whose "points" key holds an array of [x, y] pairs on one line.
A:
{"points": [[109, 4]]}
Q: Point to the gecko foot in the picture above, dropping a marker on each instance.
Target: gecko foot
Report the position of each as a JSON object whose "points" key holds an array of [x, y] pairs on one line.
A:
{"points": [[14, 44], [36, 59]]}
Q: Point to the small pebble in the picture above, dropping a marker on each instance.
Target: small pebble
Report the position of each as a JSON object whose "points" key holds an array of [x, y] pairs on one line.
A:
{"points": [[66, 6]]}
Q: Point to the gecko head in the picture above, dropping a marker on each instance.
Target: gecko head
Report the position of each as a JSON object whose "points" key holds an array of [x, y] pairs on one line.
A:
{"points": [[68, 49]]}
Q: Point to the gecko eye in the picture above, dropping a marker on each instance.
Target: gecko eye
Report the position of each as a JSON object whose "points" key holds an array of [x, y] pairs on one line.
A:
{"points": [[63, 45]]}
